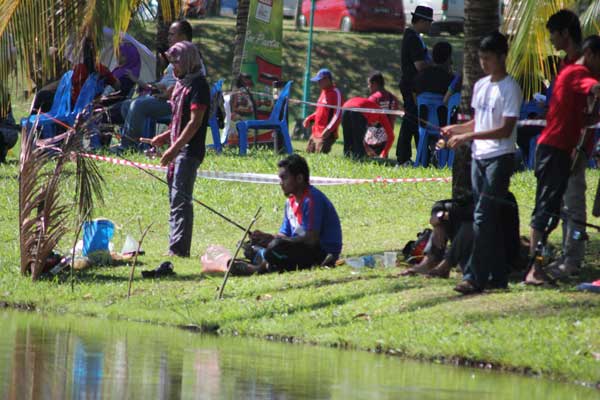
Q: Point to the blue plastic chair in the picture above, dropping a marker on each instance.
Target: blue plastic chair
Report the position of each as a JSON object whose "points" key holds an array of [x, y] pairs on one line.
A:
{"points": [[277, 120], [61, 107], [92, 87], [432, 102]]}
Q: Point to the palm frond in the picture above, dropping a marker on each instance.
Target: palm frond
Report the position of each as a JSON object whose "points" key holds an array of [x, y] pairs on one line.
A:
{"points": [[530, 49], [590, 19], [43, 210]]}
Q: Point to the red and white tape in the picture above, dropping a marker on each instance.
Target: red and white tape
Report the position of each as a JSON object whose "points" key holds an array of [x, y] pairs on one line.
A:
{"points": [[269, 179]]}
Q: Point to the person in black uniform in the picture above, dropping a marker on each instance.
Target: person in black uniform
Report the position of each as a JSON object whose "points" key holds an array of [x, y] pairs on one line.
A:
{"points": [[414, 59]]}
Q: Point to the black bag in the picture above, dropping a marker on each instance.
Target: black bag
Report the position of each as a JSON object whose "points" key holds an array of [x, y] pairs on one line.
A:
{"points": [[414, 250], [9, 134]]}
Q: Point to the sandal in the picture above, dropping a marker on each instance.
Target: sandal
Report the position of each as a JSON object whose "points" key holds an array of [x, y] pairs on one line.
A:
{"points": [[164, 269]]}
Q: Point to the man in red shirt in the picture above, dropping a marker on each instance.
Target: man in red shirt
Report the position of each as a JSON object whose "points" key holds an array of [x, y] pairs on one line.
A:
{"points": [[565, 122], [355, 124], [325, 120], [565, 35], [381, 96]]}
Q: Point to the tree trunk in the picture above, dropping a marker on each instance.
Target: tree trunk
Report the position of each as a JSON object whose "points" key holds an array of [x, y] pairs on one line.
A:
{"points": [[481, 18], [240, 37]]}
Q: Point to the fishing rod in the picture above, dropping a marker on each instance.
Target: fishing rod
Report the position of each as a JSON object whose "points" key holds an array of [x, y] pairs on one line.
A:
{"points": [[188, 197]]}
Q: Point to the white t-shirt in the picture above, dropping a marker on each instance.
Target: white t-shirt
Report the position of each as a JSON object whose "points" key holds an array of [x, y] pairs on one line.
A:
{"points": [[168, 78], [492, 101]]}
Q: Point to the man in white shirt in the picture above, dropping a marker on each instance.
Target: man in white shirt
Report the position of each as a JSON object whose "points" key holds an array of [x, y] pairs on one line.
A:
{"points": [[497, 101]]}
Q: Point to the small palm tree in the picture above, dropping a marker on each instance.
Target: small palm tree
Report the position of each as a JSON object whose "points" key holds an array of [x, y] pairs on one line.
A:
{"points": [[36, 39], [530, 49]]}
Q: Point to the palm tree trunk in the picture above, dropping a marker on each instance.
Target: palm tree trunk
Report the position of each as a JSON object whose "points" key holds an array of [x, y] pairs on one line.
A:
{"points": [[481, 18], [240, 37]]}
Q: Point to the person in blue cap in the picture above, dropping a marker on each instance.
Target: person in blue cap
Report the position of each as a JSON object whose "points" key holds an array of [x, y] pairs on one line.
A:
{"points": [[325, 120]]}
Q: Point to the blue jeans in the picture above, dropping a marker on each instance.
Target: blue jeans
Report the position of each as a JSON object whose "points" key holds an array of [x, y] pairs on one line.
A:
{"points": [[488, 259], [181, 217], [136, 112]]}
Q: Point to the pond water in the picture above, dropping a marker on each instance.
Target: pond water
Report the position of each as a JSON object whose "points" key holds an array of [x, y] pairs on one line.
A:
{"points": [[56, 357]]}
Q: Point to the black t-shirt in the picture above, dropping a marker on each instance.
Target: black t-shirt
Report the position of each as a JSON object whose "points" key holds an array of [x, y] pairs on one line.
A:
{"points": [[434, 79], [199, 96], [413, 49]]}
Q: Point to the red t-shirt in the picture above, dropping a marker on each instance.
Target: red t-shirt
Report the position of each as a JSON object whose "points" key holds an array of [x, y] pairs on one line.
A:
{"points": [[80, 74], [565, 118], [387, 101], [372, 119], [325, 117]]}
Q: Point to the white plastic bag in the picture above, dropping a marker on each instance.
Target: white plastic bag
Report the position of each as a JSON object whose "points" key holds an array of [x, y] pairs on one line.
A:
{"points": [[215, 259]]}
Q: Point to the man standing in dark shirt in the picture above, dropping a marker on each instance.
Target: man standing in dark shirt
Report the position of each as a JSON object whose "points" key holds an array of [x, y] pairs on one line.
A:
{"points": [[414, 59]]}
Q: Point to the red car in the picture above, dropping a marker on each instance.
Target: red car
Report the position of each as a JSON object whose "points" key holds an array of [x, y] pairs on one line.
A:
{"points": [[356, 15]]}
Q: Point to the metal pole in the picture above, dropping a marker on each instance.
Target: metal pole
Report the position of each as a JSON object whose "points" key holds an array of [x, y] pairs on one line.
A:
{"points": [[308, 53]]}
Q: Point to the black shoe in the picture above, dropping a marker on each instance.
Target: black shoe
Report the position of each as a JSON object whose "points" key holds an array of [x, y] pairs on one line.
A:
{"points": [[467, 287], [242, 268], [164, 269]]}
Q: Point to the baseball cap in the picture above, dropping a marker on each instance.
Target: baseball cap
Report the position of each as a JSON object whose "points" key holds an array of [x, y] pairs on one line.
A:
{"points": [[323, 73]]}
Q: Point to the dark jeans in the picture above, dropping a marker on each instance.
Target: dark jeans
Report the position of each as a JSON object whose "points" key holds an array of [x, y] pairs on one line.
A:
{"points": [[354, 125], [488, 260], [552, 170], [410, 128], [136, 112], [181, 218], [283, 255]]}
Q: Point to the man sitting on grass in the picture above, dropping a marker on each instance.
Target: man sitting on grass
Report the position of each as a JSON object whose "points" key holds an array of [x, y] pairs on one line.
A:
{"points": [[309, 235]]}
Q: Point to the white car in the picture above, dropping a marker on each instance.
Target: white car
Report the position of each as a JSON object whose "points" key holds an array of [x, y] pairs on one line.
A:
{"points": [[448, 15], [289, 8]]}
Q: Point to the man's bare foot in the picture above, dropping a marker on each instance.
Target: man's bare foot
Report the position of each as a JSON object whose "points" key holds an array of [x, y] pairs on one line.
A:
{"points": [[442, 270], [537, 277], [420, 269]]}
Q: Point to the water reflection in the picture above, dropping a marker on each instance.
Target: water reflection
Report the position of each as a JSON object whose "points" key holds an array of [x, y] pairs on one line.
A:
{"points": [[77, 358]]}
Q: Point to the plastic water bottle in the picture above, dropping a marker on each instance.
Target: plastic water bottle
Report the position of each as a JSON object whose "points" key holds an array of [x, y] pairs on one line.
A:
{"points": [[359, 262]]}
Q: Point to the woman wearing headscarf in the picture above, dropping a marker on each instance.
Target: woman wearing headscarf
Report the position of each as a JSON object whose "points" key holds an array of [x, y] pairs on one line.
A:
{"points": [[127, 72], [190, 103]]}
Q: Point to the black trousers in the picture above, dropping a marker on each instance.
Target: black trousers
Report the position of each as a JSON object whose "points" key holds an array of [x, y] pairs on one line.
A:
{"points": [[284, 255], [410, 128], [354, 125]]}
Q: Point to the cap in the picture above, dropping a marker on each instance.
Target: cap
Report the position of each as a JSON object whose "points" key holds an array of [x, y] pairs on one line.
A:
{"points": [[424, 12], [323, 73]]}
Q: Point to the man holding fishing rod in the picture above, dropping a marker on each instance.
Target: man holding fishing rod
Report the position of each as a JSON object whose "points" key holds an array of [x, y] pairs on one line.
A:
{"points": [[557, 148]]}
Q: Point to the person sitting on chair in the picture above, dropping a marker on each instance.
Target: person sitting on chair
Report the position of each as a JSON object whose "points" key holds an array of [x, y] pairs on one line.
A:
{"points": [[310, 233], [438, 77]]}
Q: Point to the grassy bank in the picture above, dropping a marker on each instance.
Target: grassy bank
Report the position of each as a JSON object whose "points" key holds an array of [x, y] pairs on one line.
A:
{"points": [[551, 332]]}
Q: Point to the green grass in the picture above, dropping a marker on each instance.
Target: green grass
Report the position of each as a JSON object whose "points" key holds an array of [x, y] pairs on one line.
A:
{"points": [[551, 332]]}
